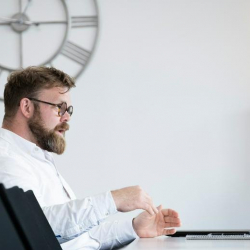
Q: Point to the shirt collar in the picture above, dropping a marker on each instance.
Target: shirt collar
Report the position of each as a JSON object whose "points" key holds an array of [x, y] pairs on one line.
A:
{"points": [[21, 143]]}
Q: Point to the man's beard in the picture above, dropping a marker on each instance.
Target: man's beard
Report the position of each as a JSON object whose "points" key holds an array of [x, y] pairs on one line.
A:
{"points": [[47, 139]]}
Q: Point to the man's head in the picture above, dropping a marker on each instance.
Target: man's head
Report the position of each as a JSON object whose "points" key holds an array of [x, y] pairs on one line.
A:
{"points": [[37, 102]]}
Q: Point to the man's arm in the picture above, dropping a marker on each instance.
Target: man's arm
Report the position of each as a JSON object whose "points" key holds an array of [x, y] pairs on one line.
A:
{"points": [[118, 233], [75, 217], [78, 216]]}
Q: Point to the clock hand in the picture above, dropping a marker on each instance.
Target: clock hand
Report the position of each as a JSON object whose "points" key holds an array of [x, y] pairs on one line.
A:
{"points": [[8, 20], [26, 7], [12, 20], [42, 22]]}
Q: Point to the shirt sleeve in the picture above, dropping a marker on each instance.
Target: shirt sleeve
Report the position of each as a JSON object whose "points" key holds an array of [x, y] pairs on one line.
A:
{"points": [[73, 218], [82, 242], [113, 234], [108, 235]]}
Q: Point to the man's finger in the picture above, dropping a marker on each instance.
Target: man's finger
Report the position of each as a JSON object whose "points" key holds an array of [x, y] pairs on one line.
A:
{"points": [[155, 209], [150, 201], [171, 219], [149, 209], [171, 224], [168, 231], [170, 212]]}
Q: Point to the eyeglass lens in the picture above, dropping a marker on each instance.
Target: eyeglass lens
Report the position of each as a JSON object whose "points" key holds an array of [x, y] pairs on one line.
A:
{"points": [[64, 108]]}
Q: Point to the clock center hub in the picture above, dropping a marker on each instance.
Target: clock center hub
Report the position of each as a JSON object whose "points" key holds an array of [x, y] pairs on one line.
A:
{"points": [[21, 23]]}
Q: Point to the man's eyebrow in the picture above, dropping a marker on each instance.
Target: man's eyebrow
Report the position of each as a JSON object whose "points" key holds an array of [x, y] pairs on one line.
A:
{"points": [[60, 101]]}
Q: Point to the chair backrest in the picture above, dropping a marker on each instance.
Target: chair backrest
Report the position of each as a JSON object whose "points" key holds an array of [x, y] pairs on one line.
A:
{"points": [[28, 219], [9, 237]]}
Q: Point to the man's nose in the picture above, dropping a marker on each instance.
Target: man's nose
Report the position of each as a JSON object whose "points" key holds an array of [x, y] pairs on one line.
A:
{"points": [[65, 117]]}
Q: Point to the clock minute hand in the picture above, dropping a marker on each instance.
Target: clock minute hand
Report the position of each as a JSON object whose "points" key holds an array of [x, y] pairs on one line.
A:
{"points": [[26, 7]]}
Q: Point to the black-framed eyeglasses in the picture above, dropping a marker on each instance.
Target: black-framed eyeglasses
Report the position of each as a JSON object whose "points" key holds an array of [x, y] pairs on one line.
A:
{"points": [[62, 107]]}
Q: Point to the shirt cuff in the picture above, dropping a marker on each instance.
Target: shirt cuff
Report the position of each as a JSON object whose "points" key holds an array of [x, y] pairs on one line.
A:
{"points": [[83, 241], [104, 204], [126, 232]]}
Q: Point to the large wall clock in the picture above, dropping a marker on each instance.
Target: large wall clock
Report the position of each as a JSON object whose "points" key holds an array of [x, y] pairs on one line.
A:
{"points": [[58, 33]]}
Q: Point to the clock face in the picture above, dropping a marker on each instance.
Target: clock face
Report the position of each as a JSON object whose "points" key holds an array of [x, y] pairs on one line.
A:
{"points": [[58, 33]]}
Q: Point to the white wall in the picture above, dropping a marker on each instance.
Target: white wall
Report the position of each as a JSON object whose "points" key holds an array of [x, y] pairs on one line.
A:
{"points": [[165, 103]]}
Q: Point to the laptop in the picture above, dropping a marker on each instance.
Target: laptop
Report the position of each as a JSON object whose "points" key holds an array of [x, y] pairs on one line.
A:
{"points": [[213, 234]]}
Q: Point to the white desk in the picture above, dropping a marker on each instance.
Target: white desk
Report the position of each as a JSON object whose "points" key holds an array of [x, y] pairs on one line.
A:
{"points": [[169, 243]]}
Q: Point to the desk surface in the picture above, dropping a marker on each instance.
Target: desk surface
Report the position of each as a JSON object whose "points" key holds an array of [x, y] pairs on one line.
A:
{"points": [[169, 243]]}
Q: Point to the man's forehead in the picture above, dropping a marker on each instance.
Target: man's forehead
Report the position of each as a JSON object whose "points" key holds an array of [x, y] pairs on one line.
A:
{"points": [[55, 93], [55, 90]]}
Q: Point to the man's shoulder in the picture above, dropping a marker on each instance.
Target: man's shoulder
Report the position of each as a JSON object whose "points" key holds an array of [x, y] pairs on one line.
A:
{"points": [[5, 147], [12, 163], [9, 159], [8, 153]]}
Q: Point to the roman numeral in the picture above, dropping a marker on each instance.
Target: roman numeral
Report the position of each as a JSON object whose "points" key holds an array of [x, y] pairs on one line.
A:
{"points": [[84, 21], [76, 53]]}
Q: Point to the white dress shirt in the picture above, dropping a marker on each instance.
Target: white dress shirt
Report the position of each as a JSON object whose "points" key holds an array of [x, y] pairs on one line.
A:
{"points": [[77, 223]]}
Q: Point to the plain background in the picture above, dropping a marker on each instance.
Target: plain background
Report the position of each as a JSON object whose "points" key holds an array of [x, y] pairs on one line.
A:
{"points": [[165, 104]]}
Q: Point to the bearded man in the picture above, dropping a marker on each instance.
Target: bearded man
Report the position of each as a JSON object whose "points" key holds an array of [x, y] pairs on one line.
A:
{"points": [[37, 111]]}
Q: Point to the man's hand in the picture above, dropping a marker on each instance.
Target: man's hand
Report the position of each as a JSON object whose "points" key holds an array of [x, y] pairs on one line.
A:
{"points": [[149, 226], [131, 198]]}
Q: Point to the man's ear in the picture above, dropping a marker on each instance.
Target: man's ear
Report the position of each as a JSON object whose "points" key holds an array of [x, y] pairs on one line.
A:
{"points": [[26, 107]]}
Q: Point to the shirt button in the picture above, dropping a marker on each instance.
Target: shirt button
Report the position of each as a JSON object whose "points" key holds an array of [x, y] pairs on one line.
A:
{"points": [[107, 214]]}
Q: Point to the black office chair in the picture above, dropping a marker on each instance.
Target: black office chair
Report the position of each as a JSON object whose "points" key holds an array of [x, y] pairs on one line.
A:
{"points": [[23, 225]]}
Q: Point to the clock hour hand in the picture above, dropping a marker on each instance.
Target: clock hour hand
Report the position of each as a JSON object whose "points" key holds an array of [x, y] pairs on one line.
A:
{"points": [[10, 21], [43, 22], [6, 20]]}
